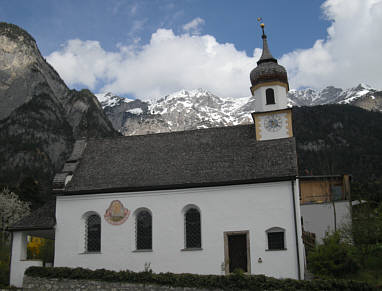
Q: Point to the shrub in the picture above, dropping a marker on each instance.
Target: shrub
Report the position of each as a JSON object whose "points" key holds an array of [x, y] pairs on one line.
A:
{"points": [[333, 258], [236, 281], [4, 274]]}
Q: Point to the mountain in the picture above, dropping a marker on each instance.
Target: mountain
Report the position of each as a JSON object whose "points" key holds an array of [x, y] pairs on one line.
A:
{"points": [[182, 110], [361, 96], [200, 108], [39, 116]]}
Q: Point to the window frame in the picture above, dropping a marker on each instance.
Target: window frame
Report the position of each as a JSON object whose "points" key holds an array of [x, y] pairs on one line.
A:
{"points": [[136, 215], [186, 209], [275, 230]]}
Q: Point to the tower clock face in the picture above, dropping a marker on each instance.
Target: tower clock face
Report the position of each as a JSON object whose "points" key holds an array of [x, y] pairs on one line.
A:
{"points": [[273, 123]]}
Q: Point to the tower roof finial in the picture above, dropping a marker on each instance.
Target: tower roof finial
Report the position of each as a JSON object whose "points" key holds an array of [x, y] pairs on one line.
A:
{"points": [[262, 25], [266, 56], [267, 70]]}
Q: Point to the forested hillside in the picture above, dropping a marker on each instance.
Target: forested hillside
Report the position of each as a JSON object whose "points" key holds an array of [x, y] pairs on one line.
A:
{"points": [[337, 139]]}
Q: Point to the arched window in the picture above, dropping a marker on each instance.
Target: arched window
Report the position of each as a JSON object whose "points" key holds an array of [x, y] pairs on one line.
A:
{"points": [[270, 96], [276, 238], [93, 233], [143, 224], [192, 228]]}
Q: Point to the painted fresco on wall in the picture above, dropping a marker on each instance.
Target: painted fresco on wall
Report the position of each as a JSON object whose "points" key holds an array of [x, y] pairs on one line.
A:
{"points": [[116, 214]]}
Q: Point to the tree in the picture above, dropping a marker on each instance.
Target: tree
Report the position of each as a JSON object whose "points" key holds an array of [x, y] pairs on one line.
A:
{"points": [[12, 209], [367, 223], [30, 190], [40, 248], [333, 258]]}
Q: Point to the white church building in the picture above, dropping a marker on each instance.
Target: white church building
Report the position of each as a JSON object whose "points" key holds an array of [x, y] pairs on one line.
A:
{"points": [[206, 201]]}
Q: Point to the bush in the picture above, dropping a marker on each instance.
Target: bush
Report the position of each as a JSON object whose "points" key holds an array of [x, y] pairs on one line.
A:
{"points": [[333, 258], [237, 281], [4, 263]]}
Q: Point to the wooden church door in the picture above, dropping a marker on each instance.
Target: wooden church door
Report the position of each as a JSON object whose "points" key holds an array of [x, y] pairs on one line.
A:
{"points": [[237, 251]]}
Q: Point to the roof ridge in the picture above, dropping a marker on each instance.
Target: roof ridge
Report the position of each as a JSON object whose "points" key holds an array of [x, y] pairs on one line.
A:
{"points": [[166, 132]]}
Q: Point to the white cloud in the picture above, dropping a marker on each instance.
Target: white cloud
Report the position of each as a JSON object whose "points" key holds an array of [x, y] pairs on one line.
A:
{"points": [[83, 62], [168, 63], [350, 54], [194, 26]]}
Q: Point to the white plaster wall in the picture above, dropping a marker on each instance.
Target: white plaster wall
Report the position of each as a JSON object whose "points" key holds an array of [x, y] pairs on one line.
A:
{"points": [[319, 218], [18, 259], [254, 207], [280, 98]]}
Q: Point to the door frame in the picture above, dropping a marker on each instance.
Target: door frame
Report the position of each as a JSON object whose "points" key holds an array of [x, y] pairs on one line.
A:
{"points": [[226, 251]]}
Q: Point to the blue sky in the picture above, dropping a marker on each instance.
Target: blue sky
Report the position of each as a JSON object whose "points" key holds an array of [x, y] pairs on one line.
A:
{"points": [[290, 24], [114, 45]]}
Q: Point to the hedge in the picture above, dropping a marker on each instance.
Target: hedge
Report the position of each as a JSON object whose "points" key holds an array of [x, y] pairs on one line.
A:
{"points": [[234, 281]]}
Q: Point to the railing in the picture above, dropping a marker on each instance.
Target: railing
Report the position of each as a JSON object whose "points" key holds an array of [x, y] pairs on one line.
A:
{"points": [[309, 239]]}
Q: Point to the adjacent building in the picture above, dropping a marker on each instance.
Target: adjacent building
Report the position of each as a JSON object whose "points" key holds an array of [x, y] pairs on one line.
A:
{"points": [[325, 204]]}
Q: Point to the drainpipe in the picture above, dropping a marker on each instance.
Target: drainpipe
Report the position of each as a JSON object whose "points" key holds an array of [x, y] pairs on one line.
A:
{"points": [[10, 258], [296, 232]]}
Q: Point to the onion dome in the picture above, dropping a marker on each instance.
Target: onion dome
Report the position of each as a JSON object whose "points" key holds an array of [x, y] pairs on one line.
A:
{"points": [[267, 70]]}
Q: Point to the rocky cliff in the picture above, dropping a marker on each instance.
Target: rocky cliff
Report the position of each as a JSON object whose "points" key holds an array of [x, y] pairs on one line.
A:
{"points": [[39, 116]]}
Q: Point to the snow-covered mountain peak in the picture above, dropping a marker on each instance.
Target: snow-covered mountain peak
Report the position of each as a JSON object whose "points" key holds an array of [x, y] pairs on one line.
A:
{"points": [[196, 93], [352, 94], [110, 100], [364, 86], [199, 108], [329, 95]]}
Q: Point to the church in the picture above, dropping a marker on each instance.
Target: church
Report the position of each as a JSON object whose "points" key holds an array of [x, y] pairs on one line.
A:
{"points": [[207, 201]]}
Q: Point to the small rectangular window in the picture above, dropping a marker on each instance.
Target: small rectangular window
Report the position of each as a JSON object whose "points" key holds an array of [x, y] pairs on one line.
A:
{"points": [[336, 192], [276, 241]]}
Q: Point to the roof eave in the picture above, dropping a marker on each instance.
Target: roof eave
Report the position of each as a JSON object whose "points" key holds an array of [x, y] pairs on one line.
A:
{"points": [[12, 229], [174, 187]]}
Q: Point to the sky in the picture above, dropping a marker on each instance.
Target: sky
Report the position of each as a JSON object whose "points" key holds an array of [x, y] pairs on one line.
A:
{"points": [[151, 48]]}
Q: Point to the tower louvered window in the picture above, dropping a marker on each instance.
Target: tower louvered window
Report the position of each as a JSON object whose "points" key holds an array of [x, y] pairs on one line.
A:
{"points": [[93, 233], [270, 96], [192, 228], [144, 230]]}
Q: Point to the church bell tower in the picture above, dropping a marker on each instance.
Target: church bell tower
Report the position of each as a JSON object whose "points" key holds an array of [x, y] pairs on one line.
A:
{"points": [[273, 118]]}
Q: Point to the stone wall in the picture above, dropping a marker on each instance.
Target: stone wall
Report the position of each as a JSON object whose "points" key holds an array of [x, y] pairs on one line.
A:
{"points": [[48, 284]]}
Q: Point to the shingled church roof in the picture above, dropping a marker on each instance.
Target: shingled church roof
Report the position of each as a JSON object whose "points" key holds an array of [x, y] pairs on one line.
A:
{"points": [[206, 157]]}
